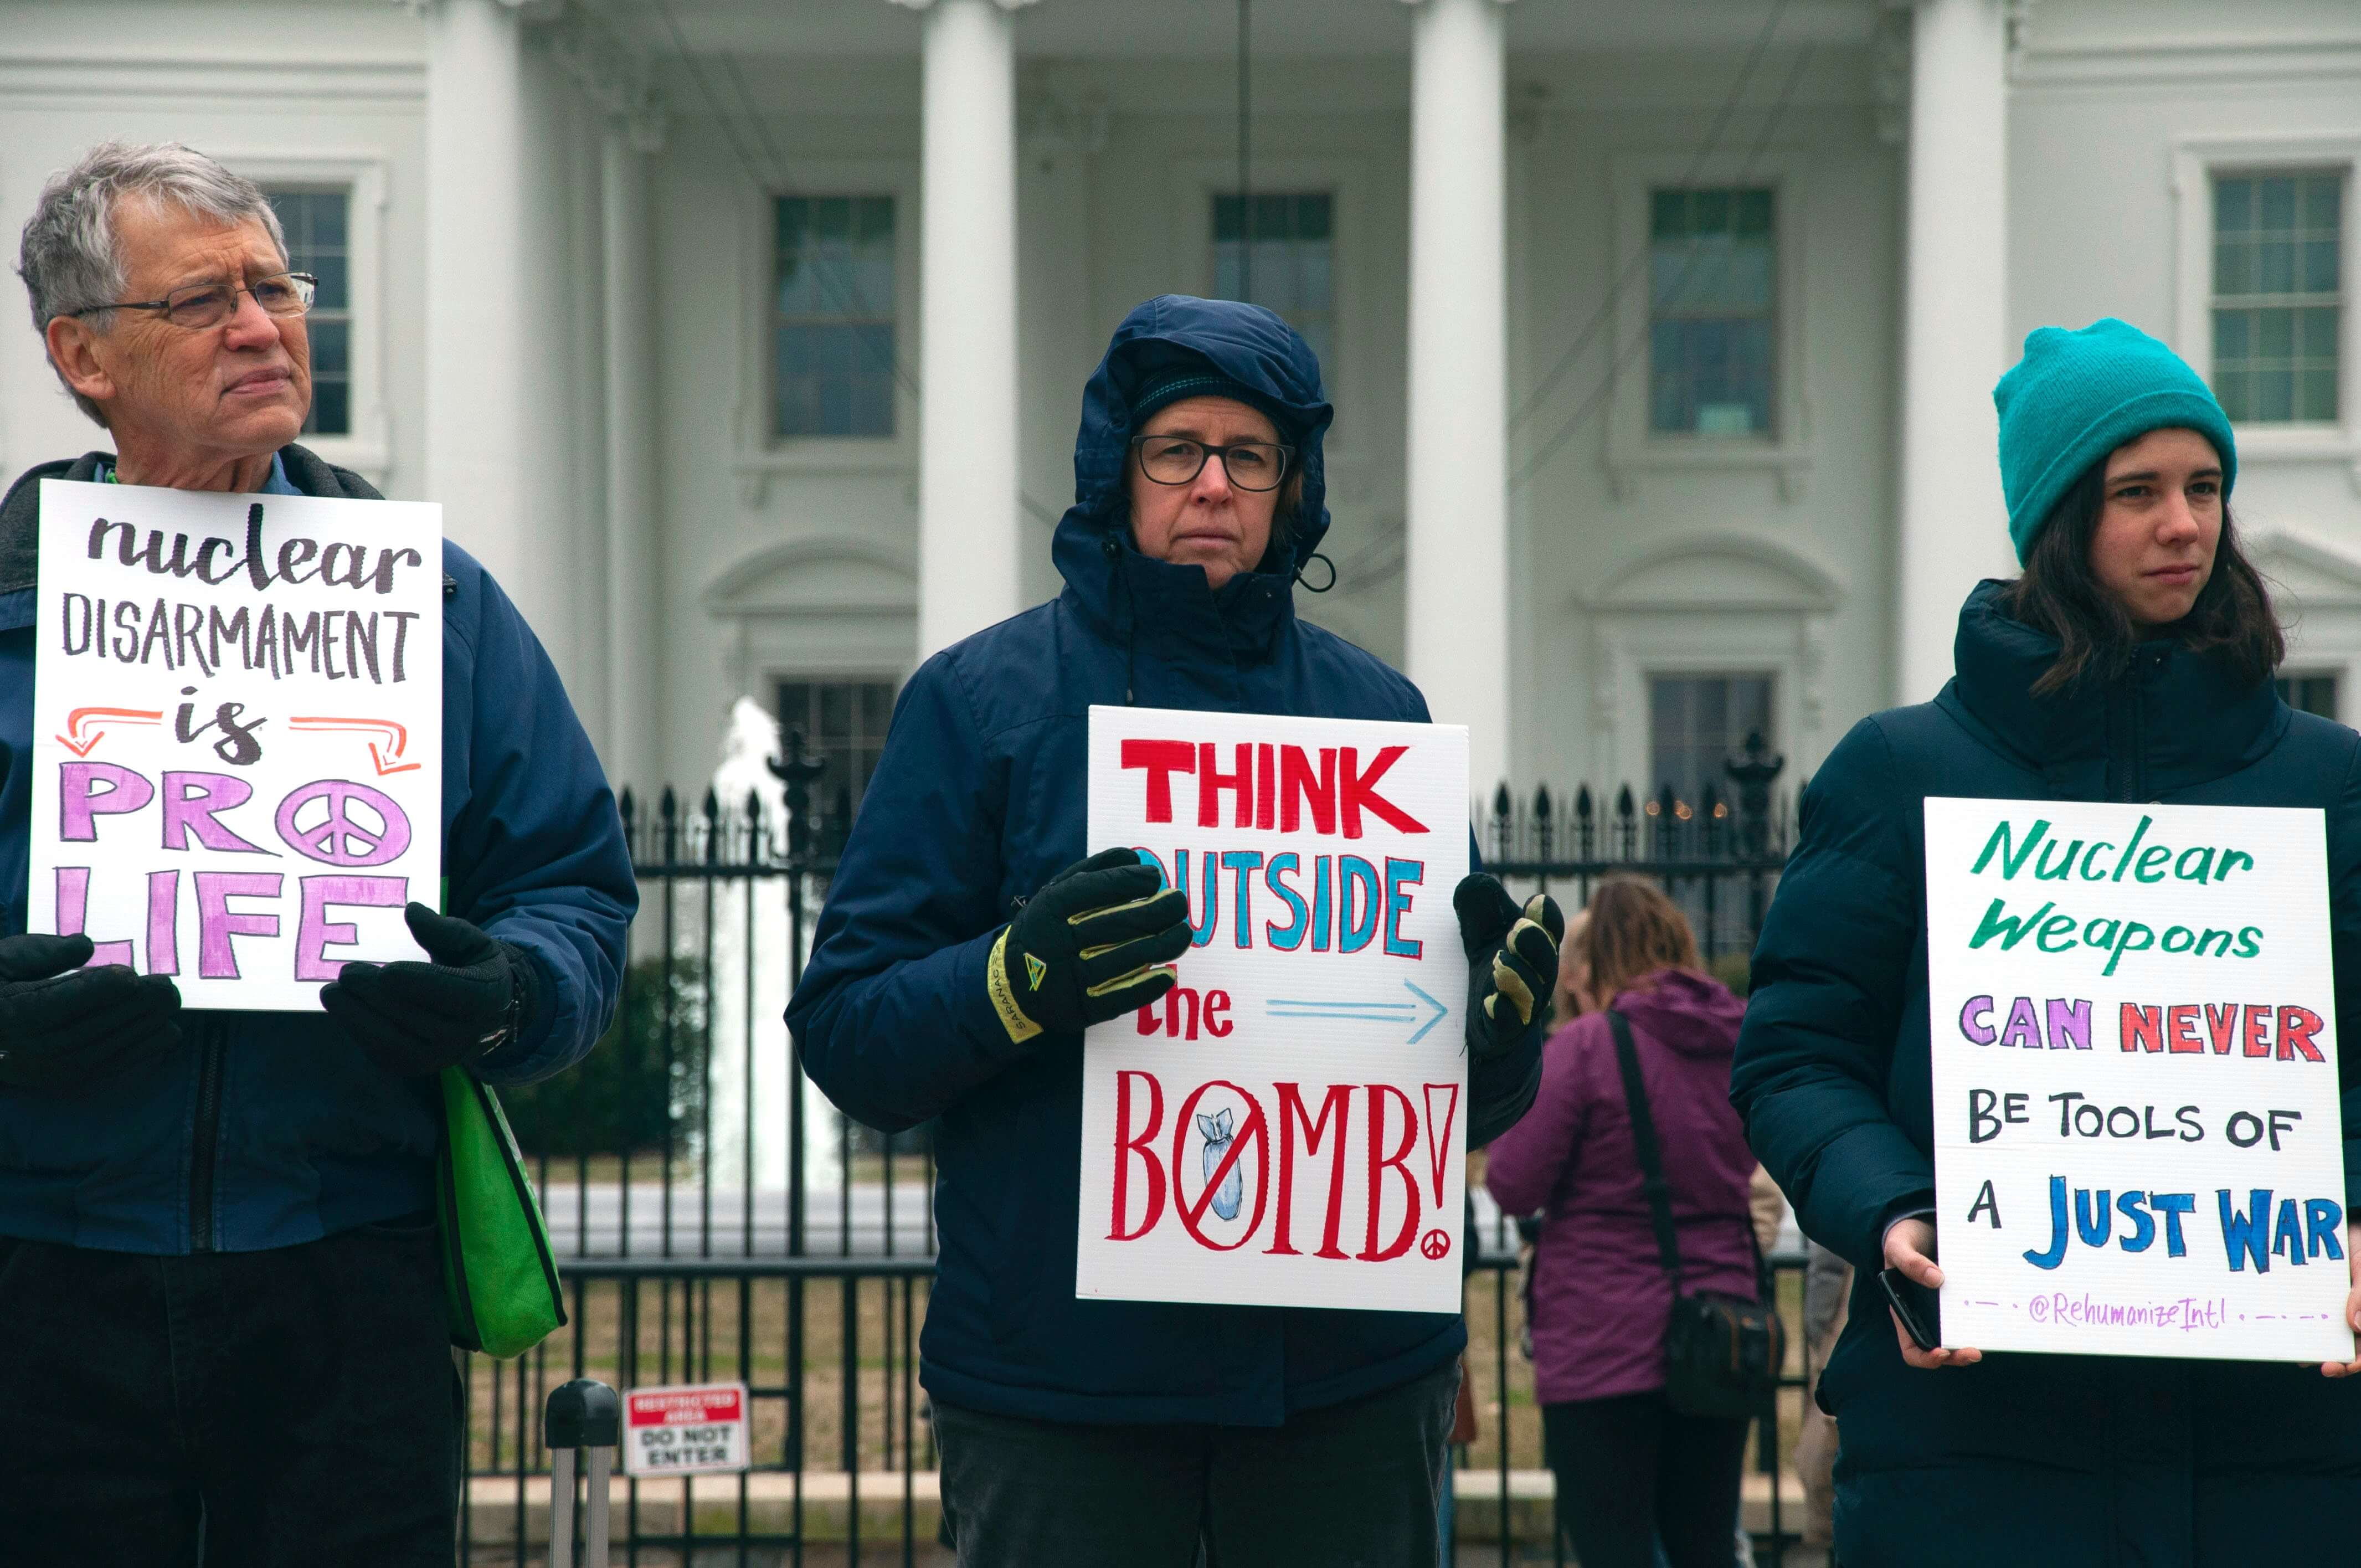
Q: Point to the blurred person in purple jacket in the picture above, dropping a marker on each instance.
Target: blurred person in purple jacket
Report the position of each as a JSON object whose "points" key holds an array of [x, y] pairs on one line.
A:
{"points": [[1629, 1471]]}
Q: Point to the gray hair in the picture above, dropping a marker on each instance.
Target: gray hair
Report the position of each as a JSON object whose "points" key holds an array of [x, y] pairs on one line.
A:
{"points": [[71, 260]]}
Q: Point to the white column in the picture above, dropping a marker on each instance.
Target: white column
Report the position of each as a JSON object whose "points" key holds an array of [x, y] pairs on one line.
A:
{"points": [[1955, 334], [968, 540], [476, 316], [1457, 571], [634, 587]]}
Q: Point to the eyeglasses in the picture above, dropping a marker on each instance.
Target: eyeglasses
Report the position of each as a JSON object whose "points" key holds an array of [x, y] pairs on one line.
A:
{"points": [[200, 305], [1177, 460]]}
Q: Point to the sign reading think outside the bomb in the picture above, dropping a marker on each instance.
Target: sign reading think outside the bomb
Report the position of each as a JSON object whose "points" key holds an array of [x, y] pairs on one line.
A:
{"points": [[2138, 1148], [1287, 1126], [237, 720]]}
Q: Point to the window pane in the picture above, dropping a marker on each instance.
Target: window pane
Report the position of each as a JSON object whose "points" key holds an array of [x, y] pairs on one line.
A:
{"points": [[316, 224], [332, 412], [331, 355], [1287, 264], [2275, 204], [836, 309], [1712, 286], [2234, 203], [1697, 723], [2275, 394]]}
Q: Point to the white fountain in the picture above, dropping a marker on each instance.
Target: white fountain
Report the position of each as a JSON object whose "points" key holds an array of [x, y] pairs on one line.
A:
{"points": [[748, 744]]}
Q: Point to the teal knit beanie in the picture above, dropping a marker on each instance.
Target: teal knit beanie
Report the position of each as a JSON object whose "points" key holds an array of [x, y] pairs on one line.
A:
{"points": [[2077, 396]]}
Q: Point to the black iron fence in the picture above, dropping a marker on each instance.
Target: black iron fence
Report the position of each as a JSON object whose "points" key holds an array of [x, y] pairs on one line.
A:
{"points": [[720, 1221]]}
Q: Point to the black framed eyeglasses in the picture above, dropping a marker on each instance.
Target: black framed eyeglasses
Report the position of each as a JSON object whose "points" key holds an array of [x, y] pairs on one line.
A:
{"points": [[1178, 460], [200, 305]]}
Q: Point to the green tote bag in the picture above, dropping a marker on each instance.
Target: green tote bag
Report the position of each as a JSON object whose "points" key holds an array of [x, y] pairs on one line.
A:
{"points": [[499, 1277]]}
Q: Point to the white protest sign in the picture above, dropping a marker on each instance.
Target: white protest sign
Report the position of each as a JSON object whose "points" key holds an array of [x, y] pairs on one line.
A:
{"points": [[685, 1430], [237, 723], [2138, 1148], [1286, 1127]]}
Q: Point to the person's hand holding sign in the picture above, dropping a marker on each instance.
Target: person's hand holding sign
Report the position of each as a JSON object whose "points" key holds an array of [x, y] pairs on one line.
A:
{"points": [[416, 1018], [2352, 1300], [1095, 943], [1511, 961], [1910, 1250], [64, 1027]]}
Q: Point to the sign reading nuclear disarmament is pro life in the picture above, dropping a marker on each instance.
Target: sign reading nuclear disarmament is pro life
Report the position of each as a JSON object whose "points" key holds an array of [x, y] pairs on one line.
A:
{"points": [[237, 719], [1287, 1126], [2138, 1146]]}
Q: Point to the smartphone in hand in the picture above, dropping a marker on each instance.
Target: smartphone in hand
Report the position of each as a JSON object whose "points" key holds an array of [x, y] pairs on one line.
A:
{"points": [[1920, 1308]]}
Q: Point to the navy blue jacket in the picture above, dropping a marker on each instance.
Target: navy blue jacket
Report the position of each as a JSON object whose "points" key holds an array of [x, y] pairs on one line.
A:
{"points": [[978, 800], [2057, 1459], [305, 1136]]}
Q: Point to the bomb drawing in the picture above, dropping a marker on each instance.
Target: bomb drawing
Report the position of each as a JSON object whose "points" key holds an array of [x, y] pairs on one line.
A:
{"points": [[1217, 1129]]}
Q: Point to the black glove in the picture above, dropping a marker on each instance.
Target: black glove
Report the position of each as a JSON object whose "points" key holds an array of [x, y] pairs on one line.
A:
{"points": [[62, 1025], [414, 1018], [1088, 948], [1511, 964]]}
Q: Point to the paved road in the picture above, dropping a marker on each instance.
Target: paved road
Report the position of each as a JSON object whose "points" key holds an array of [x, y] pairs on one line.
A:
{"points": [[567, 1207]]}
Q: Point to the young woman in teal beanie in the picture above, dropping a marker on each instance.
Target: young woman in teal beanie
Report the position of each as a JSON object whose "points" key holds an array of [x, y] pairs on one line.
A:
{"points": [[2132, 661]]}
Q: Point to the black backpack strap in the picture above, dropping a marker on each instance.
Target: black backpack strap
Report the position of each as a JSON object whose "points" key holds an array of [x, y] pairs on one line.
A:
{"points": [[1652, 1159]]}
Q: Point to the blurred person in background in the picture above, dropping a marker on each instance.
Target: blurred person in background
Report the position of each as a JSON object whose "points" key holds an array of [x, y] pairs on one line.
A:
{"points": [[1630, 1473]]}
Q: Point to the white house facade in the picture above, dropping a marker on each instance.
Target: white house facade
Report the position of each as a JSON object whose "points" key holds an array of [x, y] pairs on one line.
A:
{"points": [[744, 342]]}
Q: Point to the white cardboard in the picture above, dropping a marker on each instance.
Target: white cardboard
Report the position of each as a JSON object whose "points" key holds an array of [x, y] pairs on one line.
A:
{"points": [[686, 1430], [2154, 1118], [269, 849], [1194, 1083]]}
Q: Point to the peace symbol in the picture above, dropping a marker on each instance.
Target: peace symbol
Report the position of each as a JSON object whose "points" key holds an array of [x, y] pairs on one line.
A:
{"points": [[341, 839], [1435, 1243]]}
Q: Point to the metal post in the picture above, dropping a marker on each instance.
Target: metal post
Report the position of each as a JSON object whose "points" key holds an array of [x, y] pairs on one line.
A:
{"points": [[582, 1414]]}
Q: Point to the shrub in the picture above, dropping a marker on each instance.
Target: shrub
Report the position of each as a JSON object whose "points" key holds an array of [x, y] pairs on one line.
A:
{"points": [[621, 1097]]}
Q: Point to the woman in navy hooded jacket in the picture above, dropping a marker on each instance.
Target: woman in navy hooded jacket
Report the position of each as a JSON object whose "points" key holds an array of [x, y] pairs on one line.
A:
{"points": [[2132, 661], [955, 966]]}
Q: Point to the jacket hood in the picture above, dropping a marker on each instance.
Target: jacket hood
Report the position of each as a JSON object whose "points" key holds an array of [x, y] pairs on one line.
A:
{"points": [[1110, 580], [2181, 719], [1690, 1013]]}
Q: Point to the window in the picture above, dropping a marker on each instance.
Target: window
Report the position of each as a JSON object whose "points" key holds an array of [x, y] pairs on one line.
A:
{"points": [[1712, 312], [318, 242], [1281, 251], [2278, 295], [2310, 694], [1698, 722], [833, 319], [844, 722]]}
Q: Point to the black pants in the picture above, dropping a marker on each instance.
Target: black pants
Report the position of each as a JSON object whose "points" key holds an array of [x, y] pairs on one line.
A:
{"points": [[1354, 1483], [296, 1406], [1630, 1473]]}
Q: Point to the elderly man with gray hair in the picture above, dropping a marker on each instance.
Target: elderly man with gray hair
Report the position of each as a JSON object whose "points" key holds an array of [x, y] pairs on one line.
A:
{"points": [[221, 1293]]}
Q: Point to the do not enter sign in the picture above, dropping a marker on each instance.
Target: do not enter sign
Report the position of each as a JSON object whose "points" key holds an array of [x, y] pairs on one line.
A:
{"points": [[685, 1430]]}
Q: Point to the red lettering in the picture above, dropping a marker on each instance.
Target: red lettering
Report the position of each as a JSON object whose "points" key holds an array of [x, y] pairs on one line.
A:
{"points": [[2142, 1027], [2183, 1031], [1438, 1133], [1291, 1114], [2297, 1026], [1162, 759], [1360, 794], [1299, 786], [1216, 1003], [2257, 1034], [1126, 1144], [1173, 1000], [1147, 1021], [1255, 1130], [1212, 782], [1265, 784], [1398, 1162], [2222, 1024]]}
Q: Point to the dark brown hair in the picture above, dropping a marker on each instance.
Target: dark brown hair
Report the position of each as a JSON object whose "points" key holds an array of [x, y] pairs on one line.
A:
{"points": [[1634, 931], [2060, 594]]}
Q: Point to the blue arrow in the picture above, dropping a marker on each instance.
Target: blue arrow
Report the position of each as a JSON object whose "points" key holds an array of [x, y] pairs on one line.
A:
{"points": [[1363, 1012]]}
